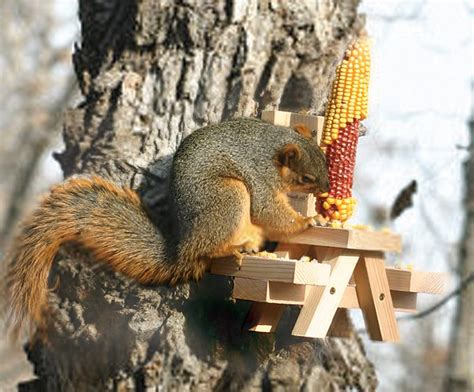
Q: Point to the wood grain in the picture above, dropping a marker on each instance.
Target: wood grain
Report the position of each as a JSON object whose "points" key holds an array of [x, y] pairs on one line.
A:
{"points": [[349, 239], [375, 299], [303, 203], [292, 251], [289, 119], [291, 294], [263, 317], [278, 270], [322, 302], [417, 281]]}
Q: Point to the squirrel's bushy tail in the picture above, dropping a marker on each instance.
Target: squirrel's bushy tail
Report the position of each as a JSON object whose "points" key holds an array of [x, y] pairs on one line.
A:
{"points": [[94, 213]]}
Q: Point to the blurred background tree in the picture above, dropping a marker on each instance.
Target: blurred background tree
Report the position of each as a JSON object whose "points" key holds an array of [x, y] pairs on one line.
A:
{"points": [[36, 38]]}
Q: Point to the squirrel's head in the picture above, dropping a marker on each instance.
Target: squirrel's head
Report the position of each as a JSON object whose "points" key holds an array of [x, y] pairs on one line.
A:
{"points": [[302, 165]]}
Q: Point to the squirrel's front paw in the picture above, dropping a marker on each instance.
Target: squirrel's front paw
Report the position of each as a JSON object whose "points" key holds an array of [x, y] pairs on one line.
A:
{"points": [[310, 222], [238, 257], [250, 248]]}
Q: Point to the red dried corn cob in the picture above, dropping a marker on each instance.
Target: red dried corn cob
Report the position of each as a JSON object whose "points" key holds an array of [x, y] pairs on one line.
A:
{"points": [[346, 107]]}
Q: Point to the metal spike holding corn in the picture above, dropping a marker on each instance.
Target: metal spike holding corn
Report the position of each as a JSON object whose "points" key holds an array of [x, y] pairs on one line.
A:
{"points": [[346, 108]]}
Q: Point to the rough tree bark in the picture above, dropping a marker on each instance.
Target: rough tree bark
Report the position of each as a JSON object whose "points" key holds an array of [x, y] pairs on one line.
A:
{"points": [[151, 72]]}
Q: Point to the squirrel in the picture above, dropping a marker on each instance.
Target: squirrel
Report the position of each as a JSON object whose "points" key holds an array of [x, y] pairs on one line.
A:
{"points": [[227, 193]]}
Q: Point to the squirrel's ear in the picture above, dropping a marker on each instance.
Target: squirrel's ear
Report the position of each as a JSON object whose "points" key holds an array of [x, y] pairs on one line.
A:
{"points": [[289, 154], [303, 130]]}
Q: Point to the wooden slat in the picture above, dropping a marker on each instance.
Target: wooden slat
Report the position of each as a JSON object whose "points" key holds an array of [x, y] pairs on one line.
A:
{"points": [[269, 292], [349, 239], [264, 291], [263, 317], [280, 292], [349, 299], [294, 271], [322, 302], [416, 281], [292, 251], [289, 119], [278, 270], [250, 289], [402, 301], [291, 294], [375, 299], [374, 240], [325, 254], [303, 203]]}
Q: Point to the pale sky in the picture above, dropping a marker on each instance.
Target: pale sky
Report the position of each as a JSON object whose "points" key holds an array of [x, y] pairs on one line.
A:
{"points": [[420, 100]]}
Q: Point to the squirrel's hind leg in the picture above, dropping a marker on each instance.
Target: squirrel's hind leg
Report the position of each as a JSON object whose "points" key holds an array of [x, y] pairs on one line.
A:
{"points": [[222, 232], [239, 233]]}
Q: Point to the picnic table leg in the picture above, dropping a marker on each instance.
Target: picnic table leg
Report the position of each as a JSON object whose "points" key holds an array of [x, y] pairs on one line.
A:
{"points": [[322, 302], [264, 317], [374, 297]]}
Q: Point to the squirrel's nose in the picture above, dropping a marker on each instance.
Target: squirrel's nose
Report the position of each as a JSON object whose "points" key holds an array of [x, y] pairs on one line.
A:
{"points": [[325, 185]]}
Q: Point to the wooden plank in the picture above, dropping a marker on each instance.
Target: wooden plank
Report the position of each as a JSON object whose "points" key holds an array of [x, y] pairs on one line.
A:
{"points": [[417, 281], [374, 240], [263, 317], [291, 294], [250, 289], [349, 239], [280, 292], [269, 292], [279, 270], [375, 299], [289, 119], [402, 301], [321, 303], [322, 236], [325, 254], [303, 203], [292, 251], [349, 299]]}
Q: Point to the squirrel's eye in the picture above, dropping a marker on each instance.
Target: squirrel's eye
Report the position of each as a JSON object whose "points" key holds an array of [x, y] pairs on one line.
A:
{"points": [[308, 178]]}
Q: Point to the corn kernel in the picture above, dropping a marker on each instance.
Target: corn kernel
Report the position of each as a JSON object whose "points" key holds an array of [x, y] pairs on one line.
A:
{"points": [[347, 106], [336, 224]]}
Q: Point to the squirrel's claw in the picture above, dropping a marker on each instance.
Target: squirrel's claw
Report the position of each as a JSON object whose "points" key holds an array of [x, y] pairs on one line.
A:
{"points": [[311, 222], [238, 257], [250, 248]]}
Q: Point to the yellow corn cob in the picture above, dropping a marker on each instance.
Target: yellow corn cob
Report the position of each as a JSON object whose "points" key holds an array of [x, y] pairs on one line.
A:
{"points": [[348, 101]]}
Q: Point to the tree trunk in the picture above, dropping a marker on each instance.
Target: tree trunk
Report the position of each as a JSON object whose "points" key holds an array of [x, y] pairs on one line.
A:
{"points": [[460, 376], [151, 72]]}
